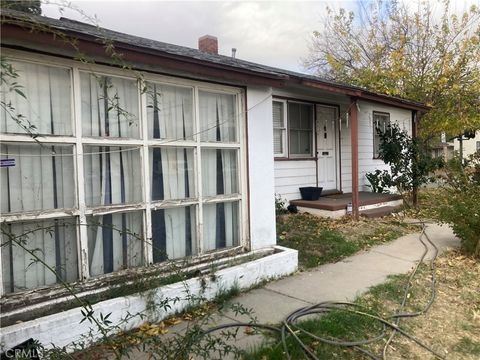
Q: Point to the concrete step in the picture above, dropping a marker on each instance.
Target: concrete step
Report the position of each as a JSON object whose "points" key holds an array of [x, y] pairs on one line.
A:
{"points": [[377, 212]]}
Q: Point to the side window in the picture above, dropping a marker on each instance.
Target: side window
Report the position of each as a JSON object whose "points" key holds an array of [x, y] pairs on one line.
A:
{"points": [[380, 122], [300, 118], [279, 129]]}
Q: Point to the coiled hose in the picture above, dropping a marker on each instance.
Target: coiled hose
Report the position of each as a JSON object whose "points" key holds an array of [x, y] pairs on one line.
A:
{"points": [[289, 328]]}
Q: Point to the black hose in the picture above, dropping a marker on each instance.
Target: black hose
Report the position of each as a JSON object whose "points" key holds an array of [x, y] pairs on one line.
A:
{"points": [[288, 328]]}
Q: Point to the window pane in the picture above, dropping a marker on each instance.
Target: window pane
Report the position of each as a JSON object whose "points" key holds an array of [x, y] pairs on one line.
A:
{"points": [[300, 117], [219, 172], [300, 142], [41, 178], [221, 225], [109, 106], [51, 241], [174, 233], [170, 112], [218, 117], [278, 141], [112, 175], [294, 142], [294, 116], [172, 173], [380, 124], [278, 120], [305, 142], [306, 116], [115, 242], [46, 107]]}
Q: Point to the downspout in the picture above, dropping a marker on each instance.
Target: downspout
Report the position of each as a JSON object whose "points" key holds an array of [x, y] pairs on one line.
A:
{"points": [[354, 136]]}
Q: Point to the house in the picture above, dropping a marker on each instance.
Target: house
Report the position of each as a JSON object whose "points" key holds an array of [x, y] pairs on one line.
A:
{"points": [[449, 146], [117, 158], [469, 146]]}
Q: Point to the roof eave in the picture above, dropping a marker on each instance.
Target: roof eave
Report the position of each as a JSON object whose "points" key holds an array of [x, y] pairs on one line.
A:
{"points": [[365, 95], [92, 43]]}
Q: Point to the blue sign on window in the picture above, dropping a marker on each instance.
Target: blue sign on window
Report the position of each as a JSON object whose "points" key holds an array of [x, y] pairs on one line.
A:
{"points": [[7, 162]]}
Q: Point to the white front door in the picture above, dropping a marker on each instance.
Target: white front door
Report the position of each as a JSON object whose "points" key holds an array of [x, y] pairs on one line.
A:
{"points": [[326, 147]]}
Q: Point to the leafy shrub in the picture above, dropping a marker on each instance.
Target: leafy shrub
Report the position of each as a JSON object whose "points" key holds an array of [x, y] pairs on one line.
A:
{"points": [[280, 205], [379, 181], [462, 206], [409, 159]]}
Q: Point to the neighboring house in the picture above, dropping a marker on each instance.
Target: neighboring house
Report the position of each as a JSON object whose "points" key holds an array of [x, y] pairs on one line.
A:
{"points": [[188, 157], [444, 149], [470, 146], [449, 146]]}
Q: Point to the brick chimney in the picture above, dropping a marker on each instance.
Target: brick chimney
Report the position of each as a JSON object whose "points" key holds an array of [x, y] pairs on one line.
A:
{"points": [[208, 44]]}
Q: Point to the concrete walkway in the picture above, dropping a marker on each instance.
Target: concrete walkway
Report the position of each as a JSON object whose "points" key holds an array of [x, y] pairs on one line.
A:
{"points": [[344, 280]]}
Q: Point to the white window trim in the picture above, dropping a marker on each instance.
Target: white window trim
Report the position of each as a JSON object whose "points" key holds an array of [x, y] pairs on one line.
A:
{"points": [[378, 113], [287, 153], [284, 130], [146, 205]]}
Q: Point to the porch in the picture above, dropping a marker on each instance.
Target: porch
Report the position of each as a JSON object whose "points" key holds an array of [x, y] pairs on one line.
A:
{"points": [[335, 205]]}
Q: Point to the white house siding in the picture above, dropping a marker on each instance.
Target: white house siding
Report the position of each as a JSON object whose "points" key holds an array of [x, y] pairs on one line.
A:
{"points": [[260, 166], [366, 162], [469, 146], [292, 174]]}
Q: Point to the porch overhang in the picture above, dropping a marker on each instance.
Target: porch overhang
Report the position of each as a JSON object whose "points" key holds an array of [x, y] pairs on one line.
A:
{"points": [[365, 95]]}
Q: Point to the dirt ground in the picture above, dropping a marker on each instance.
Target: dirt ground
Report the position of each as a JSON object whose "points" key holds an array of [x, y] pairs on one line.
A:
{"points": [[452, 325]]}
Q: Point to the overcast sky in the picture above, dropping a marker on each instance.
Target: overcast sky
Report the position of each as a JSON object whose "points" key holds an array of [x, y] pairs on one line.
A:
{"points": [[272, 33]]}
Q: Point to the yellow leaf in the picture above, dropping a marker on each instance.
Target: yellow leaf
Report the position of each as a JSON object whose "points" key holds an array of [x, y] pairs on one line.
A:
{"points": [[249, 330]]}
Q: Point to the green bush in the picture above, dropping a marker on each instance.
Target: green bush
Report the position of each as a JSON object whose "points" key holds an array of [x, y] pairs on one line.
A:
{"points": [[461, 208], [409, 159], [280, 205]]}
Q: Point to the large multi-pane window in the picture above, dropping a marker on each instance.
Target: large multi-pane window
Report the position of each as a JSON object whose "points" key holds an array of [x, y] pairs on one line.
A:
{"points": [[101, 173]]}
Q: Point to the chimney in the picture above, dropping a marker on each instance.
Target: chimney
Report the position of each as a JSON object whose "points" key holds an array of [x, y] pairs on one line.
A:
{"points": [[208, 44]]}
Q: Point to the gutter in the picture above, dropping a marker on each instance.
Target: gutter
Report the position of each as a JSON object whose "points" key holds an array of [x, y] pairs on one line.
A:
{"points": [[365, 95]]}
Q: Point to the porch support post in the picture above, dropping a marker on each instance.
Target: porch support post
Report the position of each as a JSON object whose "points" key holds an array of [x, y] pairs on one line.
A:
{"points": [[354, 134], [414, 136]]}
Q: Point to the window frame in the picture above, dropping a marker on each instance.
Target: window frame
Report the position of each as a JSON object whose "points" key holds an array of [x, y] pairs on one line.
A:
{"points": [[288, 155], [144, 143], [284, 129], [375, 154]]}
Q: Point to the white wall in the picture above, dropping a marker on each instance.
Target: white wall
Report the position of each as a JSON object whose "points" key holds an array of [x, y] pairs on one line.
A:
{"points": [[366, 162], [469, 146], [290, 175], [66, 327], [260, 166]]}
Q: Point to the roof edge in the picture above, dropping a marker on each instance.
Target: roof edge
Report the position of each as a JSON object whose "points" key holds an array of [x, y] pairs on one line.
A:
{"points": [[278, 77]]}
